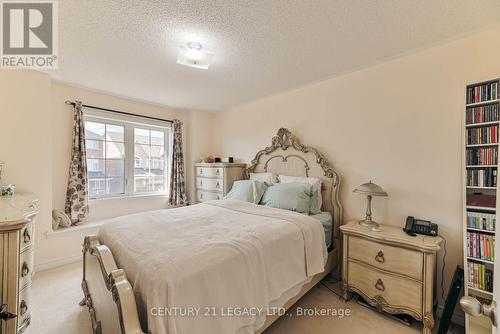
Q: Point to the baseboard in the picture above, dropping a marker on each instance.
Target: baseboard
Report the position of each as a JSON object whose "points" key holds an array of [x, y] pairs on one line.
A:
{"points": [[458, 316], [57, 263]]}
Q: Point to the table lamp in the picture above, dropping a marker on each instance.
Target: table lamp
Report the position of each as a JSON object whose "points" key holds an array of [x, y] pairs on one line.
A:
{"points": [[369, 189]]}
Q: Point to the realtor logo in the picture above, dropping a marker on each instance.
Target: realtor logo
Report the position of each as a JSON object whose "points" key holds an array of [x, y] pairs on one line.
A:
{"points": [[29, 34]]}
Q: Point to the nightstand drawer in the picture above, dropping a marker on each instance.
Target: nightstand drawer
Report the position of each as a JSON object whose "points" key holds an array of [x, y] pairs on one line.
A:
{"points": [[209, 184], [397, 292], [203, 196], [210, 172], [26, 236], [25, 268], [24, 308], [395, 259]]}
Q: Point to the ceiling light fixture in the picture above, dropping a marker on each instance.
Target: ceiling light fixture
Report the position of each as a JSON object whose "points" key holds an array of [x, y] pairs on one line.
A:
{"points": [[193, 56]]}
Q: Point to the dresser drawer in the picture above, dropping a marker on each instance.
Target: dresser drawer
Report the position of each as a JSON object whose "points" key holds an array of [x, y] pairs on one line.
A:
{"points": [[210, 172], [209, 184], [25, 268], [394, 259], [26, 236], [203, 196], [397, 291], [24, 308]]}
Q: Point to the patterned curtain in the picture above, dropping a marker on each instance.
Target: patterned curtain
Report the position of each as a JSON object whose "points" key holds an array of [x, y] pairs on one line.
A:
{"points": [[77, 206], [177, 183]]}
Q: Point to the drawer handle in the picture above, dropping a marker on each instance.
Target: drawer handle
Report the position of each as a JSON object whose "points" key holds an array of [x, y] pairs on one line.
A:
{"points": [[25, 270], [217, 172], [380, 257], [201, 171], [380, 285], [26, 236], [217, 185], [201, 183], [23, 308]]}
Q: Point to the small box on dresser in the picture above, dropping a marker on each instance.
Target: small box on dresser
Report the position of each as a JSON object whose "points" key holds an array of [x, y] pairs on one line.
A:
{"points": [[17, 214], [391, 270], [214, 180]]}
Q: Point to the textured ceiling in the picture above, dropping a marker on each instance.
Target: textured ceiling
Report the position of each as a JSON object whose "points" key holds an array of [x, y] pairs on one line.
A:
{"points": [[261, 47]]}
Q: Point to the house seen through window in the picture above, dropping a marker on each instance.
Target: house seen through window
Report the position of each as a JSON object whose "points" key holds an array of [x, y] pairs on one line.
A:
{"points": [[125, 158]]}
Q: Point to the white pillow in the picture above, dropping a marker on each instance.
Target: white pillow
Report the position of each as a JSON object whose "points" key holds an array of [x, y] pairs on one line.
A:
{"points": [[269, 178], [316, 199]]}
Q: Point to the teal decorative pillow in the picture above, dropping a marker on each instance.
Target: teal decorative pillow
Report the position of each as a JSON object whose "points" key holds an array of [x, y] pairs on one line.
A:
{"points": [[247, 190], [316, 198], [289, 196]]}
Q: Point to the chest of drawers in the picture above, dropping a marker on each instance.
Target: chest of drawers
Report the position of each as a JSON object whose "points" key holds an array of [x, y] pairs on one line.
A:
{"points": [[213, 181], [391, 270], [17, 214]]}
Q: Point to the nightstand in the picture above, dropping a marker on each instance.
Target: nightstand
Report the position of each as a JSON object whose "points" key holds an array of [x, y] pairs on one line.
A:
{"points": [[392, 271]]}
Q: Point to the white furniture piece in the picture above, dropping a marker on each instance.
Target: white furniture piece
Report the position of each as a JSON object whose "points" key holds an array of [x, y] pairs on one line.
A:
{"points": [[391, 270], [214, 180], [108, 293], [17, 214], [480, 142]]}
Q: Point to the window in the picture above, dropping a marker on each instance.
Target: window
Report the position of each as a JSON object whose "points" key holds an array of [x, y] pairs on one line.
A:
{"points": [[119, 151], [149, 155]]}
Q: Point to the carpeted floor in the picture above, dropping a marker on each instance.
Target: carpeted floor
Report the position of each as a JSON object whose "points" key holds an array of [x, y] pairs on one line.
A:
{"points": [[56, 294]]}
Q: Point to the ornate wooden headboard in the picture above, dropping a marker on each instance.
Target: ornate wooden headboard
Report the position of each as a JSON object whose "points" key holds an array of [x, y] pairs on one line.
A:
{"points": [[287, 156]]}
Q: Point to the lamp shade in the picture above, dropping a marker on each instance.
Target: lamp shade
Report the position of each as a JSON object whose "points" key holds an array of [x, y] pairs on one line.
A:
{"points": [[370, 189]]}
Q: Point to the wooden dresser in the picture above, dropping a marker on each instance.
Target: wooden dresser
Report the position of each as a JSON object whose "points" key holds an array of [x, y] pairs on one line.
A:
{"points": [[391, 270], [213, 181], [17, 214]]}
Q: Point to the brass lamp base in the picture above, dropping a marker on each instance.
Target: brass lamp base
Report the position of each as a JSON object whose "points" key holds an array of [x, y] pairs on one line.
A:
{"points": [[368, 223]]}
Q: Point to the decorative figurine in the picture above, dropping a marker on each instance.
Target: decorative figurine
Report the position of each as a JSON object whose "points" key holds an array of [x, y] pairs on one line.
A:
{"points": [[8, 190], [210, 159]]}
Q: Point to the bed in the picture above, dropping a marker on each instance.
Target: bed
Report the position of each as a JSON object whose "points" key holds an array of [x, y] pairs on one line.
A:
{"points": [[226, 267]]}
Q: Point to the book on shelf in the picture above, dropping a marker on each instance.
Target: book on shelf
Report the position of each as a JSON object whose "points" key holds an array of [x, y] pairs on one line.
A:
{"points": [[482, 114], [481, 220], [482, 135], [480, 246], [479, 276], [482, 156], [482, 93], [482, 177]]}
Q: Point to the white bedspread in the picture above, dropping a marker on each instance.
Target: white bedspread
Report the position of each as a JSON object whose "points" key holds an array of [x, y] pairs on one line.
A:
{"points": [[214, 257]]}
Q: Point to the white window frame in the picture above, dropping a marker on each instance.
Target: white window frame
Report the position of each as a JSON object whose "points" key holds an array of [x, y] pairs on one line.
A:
{"points": [[130, 123]]}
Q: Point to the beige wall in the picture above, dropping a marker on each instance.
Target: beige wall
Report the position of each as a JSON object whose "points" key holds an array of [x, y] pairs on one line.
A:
{"points": [[398, 124], [200, 144], [25, 138], [35, 142]]}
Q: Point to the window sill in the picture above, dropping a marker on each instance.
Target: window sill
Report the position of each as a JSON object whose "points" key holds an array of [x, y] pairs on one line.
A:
{"points": [[124, 197], [88, 228], [92, 227]]}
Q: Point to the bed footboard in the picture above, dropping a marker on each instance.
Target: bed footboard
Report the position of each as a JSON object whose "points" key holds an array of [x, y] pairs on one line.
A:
{"points": [[108, 294]]}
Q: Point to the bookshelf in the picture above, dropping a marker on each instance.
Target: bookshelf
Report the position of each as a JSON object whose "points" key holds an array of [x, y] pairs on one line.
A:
{"points": [[482, 119]]}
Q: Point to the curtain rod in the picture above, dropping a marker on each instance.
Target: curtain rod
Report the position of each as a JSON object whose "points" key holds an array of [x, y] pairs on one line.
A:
{"points": [[121, 112]]}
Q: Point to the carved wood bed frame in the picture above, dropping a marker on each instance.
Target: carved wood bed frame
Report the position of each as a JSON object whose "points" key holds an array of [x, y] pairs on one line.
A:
{"points": [[108, 294]]}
